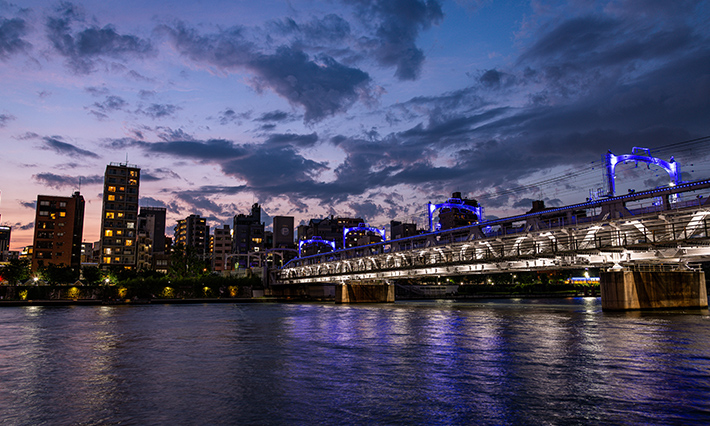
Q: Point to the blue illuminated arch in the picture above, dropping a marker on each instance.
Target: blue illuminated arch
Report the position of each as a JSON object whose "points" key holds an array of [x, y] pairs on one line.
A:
{"points": [[672, 167], [362, 227], [315, 240], [453, 203]]}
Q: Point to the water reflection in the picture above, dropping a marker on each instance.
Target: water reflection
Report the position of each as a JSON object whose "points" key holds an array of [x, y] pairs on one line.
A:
{"points": [[498, 362]]}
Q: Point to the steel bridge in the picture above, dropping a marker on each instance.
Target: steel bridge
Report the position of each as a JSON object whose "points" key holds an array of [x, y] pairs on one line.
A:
{"points": [[603, 233]]}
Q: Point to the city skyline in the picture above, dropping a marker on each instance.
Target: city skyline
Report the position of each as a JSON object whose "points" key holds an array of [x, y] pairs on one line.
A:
{"points": [[365, 109]]}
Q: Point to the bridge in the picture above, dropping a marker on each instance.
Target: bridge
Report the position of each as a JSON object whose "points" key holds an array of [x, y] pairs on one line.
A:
{"points": [[669, 233]]}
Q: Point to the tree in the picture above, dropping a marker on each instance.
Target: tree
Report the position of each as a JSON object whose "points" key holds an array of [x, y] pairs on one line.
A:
{"points": [[54, 274], [17, 270], [91, 274], [186, 263]]}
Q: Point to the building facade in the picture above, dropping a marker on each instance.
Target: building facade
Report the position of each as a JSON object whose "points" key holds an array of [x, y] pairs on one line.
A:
{"points": [[119, 215], [59, 229], [248, 236], [193, 231], [222, 248], [330, 228], [5, 232]]}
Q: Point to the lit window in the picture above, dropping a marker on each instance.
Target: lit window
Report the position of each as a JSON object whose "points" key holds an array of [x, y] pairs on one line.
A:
{"points": [[130, 225], [112, 198], [62, 214], [121, 189], [109, 215], [108, 233], [119, 232], [132, 182], [129, 242], [107, 250], [133, 173], [111, 189], [120, 214], [117, 259], [107, 259]]}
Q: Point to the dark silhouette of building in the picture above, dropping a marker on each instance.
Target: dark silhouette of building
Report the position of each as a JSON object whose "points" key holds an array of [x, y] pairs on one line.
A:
{"points": [[119, 215], [222, 247], [156, 227], [5, 232], [283, 232], [193, 231], [455, 213], [59, 227], [402, 230], [248, 235], [330, 228]]}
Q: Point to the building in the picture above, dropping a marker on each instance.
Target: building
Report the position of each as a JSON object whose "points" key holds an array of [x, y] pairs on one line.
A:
{"points": [[154, 227], [362, 235], [59, 227], [193, 231], [5, 232], [283, 232], [87, 253], [330, 229], [457, 212], [248, 236], [402, 230], [119, 215], [222, 248]]}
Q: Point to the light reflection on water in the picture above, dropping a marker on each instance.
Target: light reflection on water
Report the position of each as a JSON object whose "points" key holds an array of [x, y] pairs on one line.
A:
{"points": [[511, 362]]}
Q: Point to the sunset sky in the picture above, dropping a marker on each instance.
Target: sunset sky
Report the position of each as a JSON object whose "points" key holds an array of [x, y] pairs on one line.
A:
{"points": [[365, 108]]}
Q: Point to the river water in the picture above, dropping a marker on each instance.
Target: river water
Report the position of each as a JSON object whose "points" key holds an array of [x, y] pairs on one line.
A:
{"points": [[504, 362]]}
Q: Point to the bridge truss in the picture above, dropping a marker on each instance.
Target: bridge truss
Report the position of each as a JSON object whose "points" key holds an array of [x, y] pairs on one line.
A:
{"points": [[562, 238]]}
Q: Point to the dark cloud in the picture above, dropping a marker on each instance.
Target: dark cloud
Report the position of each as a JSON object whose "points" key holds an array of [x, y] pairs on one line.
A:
{"points": [[83, 47], [366, 210], [97, 91], [12, 32], [5, 118], [56, 144], [275, 116], [63, 181], [158, 174], [29, 204], [144, 201], [109, 105], [156, 111], [292, 139], [25, 227], [397, 26], [230, 116], [200, 203], [320, 84]]}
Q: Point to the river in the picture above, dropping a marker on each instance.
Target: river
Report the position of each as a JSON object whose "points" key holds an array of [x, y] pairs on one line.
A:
{"points": [[497, 362]]}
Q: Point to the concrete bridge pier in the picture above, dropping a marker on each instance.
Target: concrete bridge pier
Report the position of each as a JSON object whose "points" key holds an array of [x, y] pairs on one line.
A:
{"points": [[364, 293], [626, 290]]}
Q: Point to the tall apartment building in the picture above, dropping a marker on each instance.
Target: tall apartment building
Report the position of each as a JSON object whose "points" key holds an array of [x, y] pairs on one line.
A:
{"points": [[5, 232], [222, 247], [154, 224], [248, 234], [59, 228], [119, 215], [330, 228], [193, 231]]}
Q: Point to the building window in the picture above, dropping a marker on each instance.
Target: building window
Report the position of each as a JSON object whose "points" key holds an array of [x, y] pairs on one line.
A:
{"points": [[109, 215], [129, 243], [44, 203], [111, 189], [62, 204], [112, 198], [107, 259], [43, 213], [108, 233], [62, 214], [107, 250]]}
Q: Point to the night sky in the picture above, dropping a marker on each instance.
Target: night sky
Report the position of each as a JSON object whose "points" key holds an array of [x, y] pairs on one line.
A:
{"points": [[365, 108]]}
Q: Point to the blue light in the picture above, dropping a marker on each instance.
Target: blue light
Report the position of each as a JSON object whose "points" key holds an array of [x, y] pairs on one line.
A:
{"points": [[362, 227], [315, 240], [453, 203], [672, 167]]}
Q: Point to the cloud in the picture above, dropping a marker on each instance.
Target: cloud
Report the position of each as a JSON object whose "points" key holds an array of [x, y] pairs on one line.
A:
{"points": [[275, 116], [144, 201], [396, 26], [109, 105], [5, 118], [83, 47], [62, 181], [230, 116], [29, 204], [25, 227], [292, 139], [320, 84], [11, 37], [60, 147], [156, 111]]}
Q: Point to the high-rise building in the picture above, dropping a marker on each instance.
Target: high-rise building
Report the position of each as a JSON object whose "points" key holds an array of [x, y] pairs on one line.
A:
{"points": [[222, 247], [330, 228], [5, 232], [402, 230], [59, 227], [156, 227], [119, 215], [248, 235], [283, 232], [193, 231]]}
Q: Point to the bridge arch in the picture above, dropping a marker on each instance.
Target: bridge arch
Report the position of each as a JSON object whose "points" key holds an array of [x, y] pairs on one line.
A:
{"points": [[611, 160]]}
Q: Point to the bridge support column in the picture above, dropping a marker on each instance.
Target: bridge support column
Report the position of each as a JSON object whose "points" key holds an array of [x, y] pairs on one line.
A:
{"points": [[364, 293], [633, 290]]}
